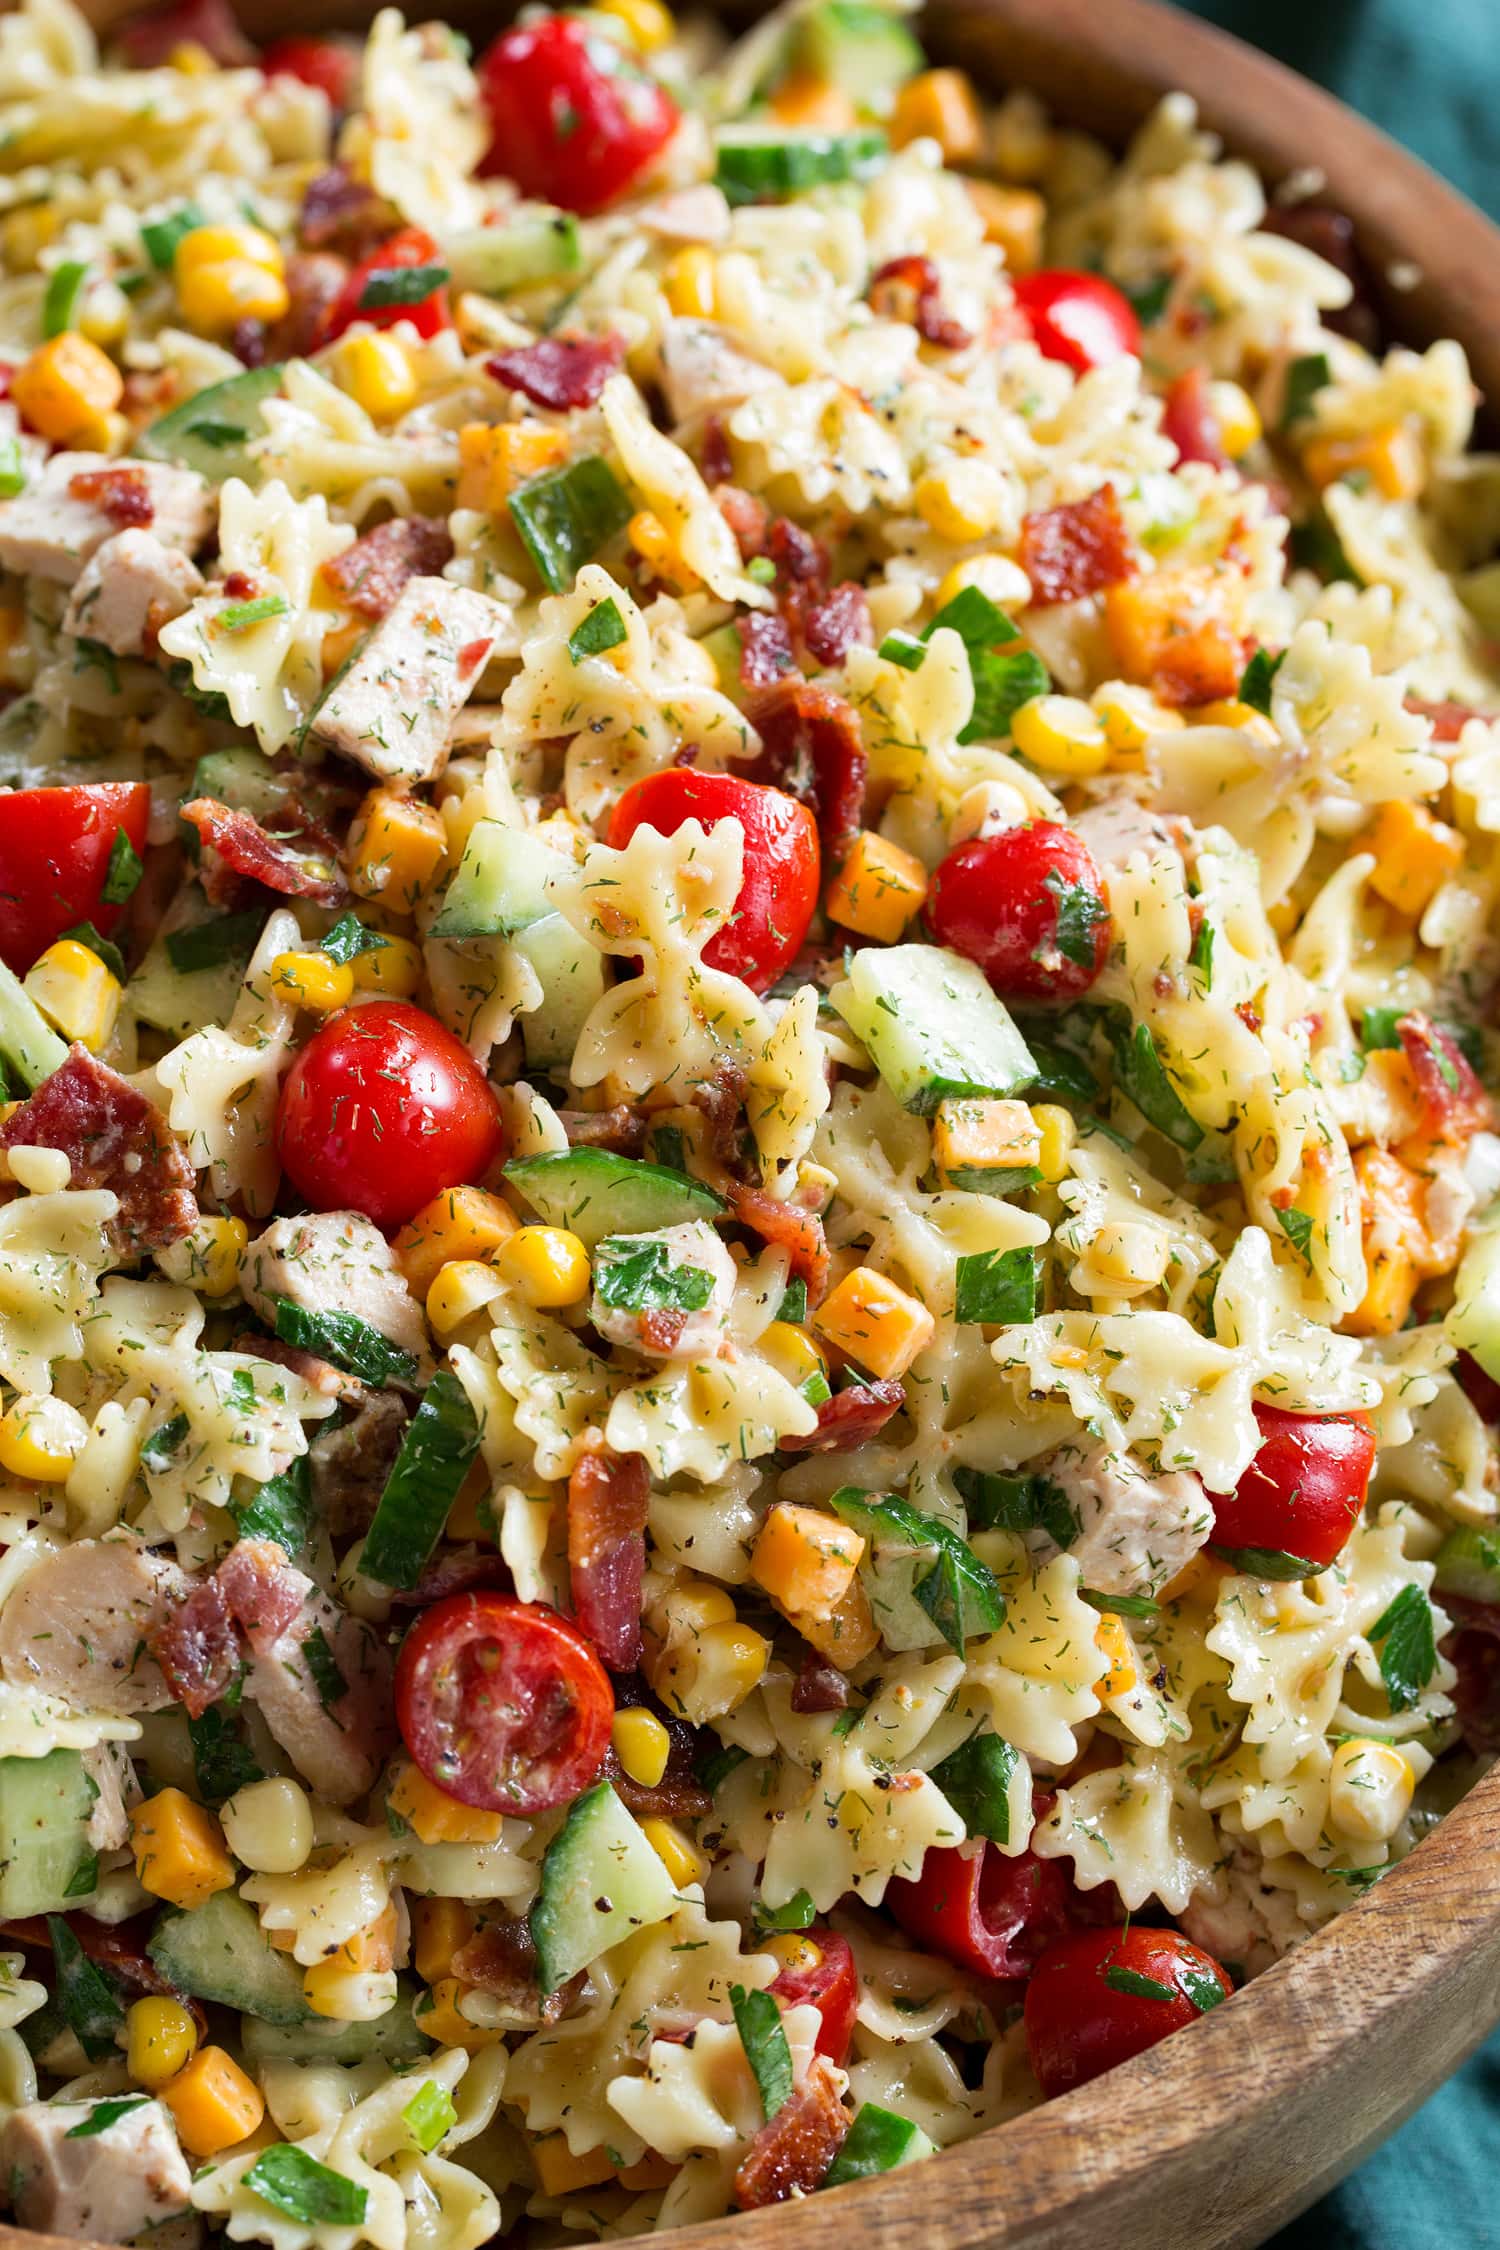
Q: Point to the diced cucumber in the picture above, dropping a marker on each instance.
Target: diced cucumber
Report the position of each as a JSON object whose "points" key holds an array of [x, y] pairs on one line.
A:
{"points": [[391, 2038], [212, 431], [566, 515], [1468, 1565], [241, 778], [932, 1025], [863, 50], [534, 245], [44, 1810], [594, 1193], [571, 971], [877, 2141], [30, 1049], [726, 648], [602, 1879], [441, 1440], [180, 1000], [500, 884], [217, 1952], [958, 1595], [756, 163], [1473, 1320]]}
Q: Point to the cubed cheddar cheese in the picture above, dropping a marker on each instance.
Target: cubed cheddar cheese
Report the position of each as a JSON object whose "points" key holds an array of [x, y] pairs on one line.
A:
{"points": [[1389, 458], [438, 1818], [396, 846], [179, 1849], [805, 1560], [495, 457], [439, 1927], [876, 1322], [984, 1136], [1414, 855], [941, 106], [878, 889], [214, 2103]]}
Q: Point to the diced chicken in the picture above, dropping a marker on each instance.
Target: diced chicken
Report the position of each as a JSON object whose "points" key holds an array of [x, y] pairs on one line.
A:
{"points": [[106, 2185], [392, 712], [333, 1261], [666, 1294], [688, 214], [109, 1768], [128, 589], [78, 1622], [1120, 826], [322, 1683], [1242, 1918], [704, 372], [50, 530], [1135, 1532]]}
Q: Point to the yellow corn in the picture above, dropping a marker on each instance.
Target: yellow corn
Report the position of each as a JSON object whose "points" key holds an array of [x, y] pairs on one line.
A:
{"points": [[493, 458], [689, 283], [396, 847], [805, 1560], [77, 994], [1130, 715], [215, 246], [447, 2026], [1238, 418], [161, 2039], [878, 889], [377, 372], [439, 1927], [213, 2102], [650, 25], [792, 1352], [793, 1951], [985, 1136], [179, 1849], [25, 234], [226, 274], [678, 1855], [1414, 855], [208, 1260], [67, 389], [710, 1674], [1229, 711], [1370, 1787], [558, 2170], [954, 506], [1390, 459], [995, 575], [41, 1438], [312, 980], [548, 1265], [940, 106], [191, 59], [875, 1322], [642, 1745], [1112, 1641], [438, 1818], [463, 1223], [1061, 735], [1198, 1581], [393, 969], [463, 1287], [802, 99], [1059, 1138]]}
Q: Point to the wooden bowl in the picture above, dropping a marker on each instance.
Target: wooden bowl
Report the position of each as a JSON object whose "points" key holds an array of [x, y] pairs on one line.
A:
{"points": [[1219, 2135]]}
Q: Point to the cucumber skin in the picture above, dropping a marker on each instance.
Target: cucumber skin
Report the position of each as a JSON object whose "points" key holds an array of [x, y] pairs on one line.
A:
{"points": [[44, 1809], [216, 1951], [1473, 1320], [599, 1852], [499, 886], [898, 1000], [237, 399], [393, 2038], [594, 1193], [1468, 1566], [877, 2141], [27, 1041], [571, 974]]}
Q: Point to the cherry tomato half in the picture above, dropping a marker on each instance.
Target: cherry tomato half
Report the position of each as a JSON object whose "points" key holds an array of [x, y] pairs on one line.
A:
{"points": [[331, 64], [830, 1983], [401, 253], [1191, 421], [1300, 1495], [55, 847], [502, 1703], [572, 118], [1028, 906], [1096, 1999], [778, 893], [382, 1110], [1079, 318], [989, 1913]]}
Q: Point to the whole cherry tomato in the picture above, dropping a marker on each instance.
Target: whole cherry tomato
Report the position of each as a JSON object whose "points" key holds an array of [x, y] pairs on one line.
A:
{"points": [[332, 64], [829, 1981], [1028, 906], [55, 852], [573, 119], [990, 1913], [1096, 1999], [383, 278], [502, 1703], [1079, 318], [1299, 1497], [778, 891], [382, 1110]]}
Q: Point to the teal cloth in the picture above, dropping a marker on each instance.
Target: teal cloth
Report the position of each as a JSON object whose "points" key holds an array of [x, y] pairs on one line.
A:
{"points": [[1428, 72]]}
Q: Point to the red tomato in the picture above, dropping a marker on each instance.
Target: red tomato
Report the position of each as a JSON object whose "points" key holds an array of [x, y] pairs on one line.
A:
{"points": [[332, 64], [572, 118], [1079, 318], [1302, 1492], [1189, 420], [1028, 906], [831, 1984], [989, 1913], [778, 893], [400, 252], [1090, 2002], [503, 1703], [382, 1110], [55, 846]]}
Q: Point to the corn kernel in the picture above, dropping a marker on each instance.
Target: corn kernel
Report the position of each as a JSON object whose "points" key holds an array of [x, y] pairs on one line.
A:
{"points": [[396, 847], [208, 1259], [940, 105], [996, 576], [312, 980], [1059, 1138], [41, 1438], [213, 2102], [1238, 418], [650, 25], [1061, 735], [642, 1745], [191, 59], [1130, 715], [1014, 219], [463, 1223], [795, 1952], [66, 388], [394, 968], [1414, 855], [991, 1137], [878, 889], [1113, 1642], [77, 994], [439, 1927], [1370, 1787], [213, 298], [875, 1322], [1390, 459], [1229, 711], [548, 1265], [689, 284], [678, 1855], [179, 1849], [493, 458], [463, 1287], [444, 2022], [104, 315], [377, 372], [793, 1353], [711, 1675], [268, 1825], [162, 2037], [958, 503], [805, 100], [217, 246]]}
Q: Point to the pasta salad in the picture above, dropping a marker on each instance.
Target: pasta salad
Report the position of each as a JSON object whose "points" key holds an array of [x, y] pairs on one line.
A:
{"points": [[749, 1313]]}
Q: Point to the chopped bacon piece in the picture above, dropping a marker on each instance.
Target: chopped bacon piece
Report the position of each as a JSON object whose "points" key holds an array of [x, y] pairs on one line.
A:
{"points": [[765, 649], [1329, 234], [560, 372], [370, 574], [1481, 1390], [747, 517], [789, 1228], [315, 281], [661, 1329], [261, 1590], [721, 1100], [717, 463], [1448, 719], [837, 623], [150, 40], [302, 863], [800, 559], [342, 213], [791, 2154], [464, 1569], [113, 1138], [1473, 1649], [1077, 549], [1189, 420], [677, 1796], [621, 1129], [122, 491], [909, 289], [607, 1497], [849, 1418], [119, 1947], [1454, 1104], [811, 746], [500, 1958], [819, 1685], [198, 1648]]}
